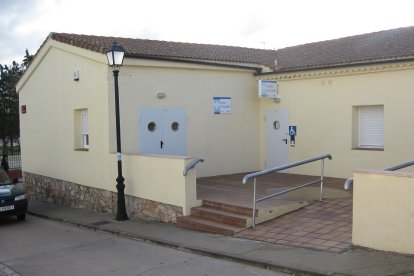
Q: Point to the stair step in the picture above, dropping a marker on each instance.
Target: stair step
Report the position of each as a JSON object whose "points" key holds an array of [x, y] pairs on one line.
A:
{"points": [[221, 216], [199, 224], [247, 211]]}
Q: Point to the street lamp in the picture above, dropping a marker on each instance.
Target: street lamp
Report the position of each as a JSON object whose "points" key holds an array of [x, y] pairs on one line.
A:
{"points": [[115, 58]]}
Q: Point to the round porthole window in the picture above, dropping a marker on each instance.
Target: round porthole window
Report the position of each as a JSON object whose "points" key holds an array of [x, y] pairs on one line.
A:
{"points": [[175, 126], [276, 125], [152, 126]]}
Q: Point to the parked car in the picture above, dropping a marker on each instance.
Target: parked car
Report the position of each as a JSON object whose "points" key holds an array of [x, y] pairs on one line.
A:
{"points": [[13, 200]]}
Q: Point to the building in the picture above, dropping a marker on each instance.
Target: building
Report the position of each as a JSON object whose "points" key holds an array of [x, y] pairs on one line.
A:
{"points": [[350, 97]]}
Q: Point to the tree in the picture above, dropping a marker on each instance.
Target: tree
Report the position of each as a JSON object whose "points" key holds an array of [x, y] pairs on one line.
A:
{"points": [[9, 100]]}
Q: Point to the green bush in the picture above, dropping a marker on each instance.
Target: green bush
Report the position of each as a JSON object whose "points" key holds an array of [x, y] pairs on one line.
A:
{"points": [[7, 150]]}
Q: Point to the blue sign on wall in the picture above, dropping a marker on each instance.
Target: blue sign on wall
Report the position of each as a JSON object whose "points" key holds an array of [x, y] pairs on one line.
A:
{"points": [[292, 130]]}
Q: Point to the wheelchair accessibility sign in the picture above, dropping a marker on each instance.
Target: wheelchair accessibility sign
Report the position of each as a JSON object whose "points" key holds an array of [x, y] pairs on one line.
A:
{"points": [[292, 131]]}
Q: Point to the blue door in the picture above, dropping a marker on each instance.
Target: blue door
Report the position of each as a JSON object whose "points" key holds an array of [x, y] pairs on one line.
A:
{"points": [[163, 131]]}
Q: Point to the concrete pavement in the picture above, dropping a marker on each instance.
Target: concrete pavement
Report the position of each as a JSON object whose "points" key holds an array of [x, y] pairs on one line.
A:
{"points": [[295, 260]]}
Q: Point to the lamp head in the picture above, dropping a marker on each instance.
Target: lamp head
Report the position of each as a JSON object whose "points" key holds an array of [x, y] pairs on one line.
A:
{"points": [[115, 56]]}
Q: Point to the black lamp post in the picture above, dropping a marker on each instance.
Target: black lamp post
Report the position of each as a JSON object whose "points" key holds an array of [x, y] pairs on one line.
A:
{"points": [[115, 58]]}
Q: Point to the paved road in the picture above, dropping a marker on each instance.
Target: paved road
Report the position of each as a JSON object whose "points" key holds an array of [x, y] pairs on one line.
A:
{"points": [[42, 247]]}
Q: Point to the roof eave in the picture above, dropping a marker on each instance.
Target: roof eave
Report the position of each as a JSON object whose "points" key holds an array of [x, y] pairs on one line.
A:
{"points": [[332, 66], [257, 69]]}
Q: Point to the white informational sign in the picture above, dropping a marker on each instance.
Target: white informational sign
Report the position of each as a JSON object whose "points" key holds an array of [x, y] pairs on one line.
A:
{"points": [[222, 105], [267, 89]]}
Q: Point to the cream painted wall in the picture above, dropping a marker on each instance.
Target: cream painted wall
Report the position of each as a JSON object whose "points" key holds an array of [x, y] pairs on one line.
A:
{"points": [[47, 129], [48, 141], [160, 178], [386, 223], [228, 143], [320, 105]]}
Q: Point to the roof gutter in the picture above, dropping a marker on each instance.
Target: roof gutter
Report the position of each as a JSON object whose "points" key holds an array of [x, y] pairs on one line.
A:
{"points": [[258, 70], [291, 70]]}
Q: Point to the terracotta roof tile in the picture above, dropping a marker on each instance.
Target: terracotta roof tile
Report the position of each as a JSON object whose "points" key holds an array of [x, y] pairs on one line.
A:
{"points": [[166, 49], [379, 46]]}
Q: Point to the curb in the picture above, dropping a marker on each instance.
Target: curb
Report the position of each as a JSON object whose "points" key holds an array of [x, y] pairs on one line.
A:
{"points": [[182, 247], [7, 271]]}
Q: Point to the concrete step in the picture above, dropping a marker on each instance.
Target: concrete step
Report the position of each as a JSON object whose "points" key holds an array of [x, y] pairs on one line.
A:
{"points": [[227, 218], [200, 224], [222, 217]]}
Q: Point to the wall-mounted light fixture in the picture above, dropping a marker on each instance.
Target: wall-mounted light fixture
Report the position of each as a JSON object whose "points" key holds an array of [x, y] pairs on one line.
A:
{"points": [[161, 95], [76, 75]]}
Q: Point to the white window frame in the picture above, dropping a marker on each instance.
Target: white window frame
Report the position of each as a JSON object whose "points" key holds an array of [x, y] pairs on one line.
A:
{"points": [[371, 127], [85, 129]]}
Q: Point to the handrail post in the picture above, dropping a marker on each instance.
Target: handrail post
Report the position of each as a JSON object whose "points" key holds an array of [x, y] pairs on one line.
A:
{"points": [[322, 172], [280, 168], [254, 202]]}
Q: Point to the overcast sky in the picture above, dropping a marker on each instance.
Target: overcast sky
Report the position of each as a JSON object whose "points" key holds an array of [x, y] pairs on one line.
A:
{"points": [[270, 24]]}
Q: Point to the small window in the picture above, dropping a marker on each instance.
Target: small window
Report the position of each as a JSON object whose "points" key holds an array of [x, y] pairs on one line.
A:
{"points": [[81, 129], [152, 126], [175, 126], [370, 131], [276, 124], [85, 129]]}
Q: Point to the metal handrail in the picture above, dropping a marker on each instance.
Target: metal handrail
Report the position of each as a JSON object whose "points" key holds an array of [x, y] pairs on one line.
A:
{"points": [[400, 166], [348, 183], [281, 168], [192, 165], [350, 180], [284, 167]]}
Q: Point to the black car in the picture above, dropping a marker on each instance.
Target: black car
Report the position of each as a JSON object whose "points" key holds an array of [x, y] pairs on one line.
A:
{"points": [[13, 200]]}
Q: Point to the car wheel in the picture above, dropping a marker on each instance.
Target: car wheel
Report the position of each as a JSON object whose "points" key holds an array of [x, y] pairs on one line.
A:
{"points": [[21, 216]]}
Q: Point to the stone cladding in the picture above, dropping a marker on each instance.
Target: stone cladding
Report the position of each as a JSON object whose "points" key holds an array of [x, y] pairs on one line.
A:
{"points": [[61, 192]]}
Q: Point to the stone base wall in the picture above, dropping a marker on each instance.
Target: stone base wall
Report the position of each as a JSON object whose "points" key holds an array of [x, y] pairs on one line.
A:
{"points": [[43, 188]]}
